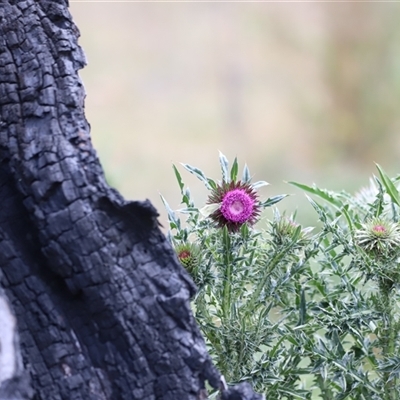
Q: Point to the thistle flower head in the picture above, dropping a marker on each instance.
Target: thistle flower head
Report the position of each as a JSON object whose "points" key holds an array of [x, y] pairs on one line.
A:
{"points": [[285, 229], [378, 236], [189, 255], [237, 205]]}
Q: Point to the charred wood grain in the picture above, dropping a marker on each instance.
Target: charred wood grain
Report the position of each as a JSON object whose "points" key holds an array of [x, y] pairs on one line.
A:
{"points": [[101, 301]]}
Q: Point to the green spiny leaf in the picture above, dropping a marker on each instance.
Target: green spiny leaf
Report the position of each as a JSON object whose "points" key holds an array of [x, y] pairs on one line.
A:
{"points": [[390, 187], [259, 184], [198, 173], [234, 170], [246, 177], [322, 193], [318, 208], [212, 184], [273, 200], [174, 221], [224, 167], [178, 177]]}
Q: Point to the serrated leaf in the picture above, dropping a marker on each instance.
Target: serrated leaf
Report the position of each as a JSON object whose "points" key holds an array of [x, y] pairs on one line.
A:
{"points": [[178, 177], [259, 184], [296, 234], [186, 197], [319, 209], [273, 200], [211, 183], [390, 187], [322, 193], [246, 178], [189, 210], [175, 222], [198, 173], [224, 167]]}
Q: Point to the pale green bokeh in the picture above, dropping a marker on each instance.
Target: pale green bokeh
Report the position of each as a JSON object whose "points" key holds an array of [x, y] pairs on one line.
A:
{"points": [[306, 92]]}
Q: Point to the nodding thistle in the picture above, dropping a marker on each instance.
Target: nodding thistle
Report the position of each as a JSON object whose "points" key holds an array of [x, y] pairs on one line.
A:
{"points": [[237, 205], [189, 255], [286, 229], [378, 236]]}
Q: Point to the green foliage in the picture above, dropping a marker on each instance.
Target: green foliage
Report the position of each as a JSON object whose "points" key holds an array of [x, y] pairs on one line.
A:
{"points": [[300, 313]]}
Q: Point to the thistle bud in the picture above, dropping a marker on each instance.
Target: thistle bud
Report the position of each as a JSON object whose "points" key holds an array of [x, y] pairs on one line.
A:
{"points": [[378, 236], [189, 255]]}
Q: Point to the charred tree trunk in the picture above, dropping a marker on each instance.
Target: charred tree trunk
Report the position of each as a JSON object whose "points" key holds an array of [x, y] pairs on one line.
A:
{"points": [[101, 302]]}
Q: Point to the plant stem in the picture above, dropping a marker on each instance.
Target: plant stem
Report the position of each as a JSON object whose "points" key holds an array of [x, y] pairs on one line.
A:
{"points": [[269, 267], [227, 260]]}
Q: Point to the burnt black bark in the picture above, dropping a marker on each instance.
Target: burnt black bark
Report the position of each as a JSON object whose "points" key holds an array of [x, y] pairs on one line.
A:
{"points": [[102, 303]]}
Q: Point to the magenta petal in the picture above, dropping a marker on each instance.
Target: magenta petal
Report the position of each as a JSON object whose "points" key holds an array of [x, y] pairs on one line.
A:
{"points": [[237, 206]]}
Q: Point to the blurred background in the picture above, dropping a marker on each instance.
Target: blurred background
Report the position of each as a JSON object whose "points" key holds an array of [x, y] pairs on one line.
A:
{"points": [[306, 92]]}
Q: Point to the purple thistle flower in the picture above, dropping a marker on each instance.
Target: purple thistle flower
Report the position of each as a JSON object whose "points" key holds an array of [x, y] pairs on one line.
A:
{"points": [[238, 204]]}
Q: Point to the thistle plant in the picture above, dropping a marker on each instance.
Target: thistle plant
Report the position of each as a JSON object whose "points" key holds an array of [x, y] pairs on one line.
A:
{"points": [[300, 313], [358, 292]]}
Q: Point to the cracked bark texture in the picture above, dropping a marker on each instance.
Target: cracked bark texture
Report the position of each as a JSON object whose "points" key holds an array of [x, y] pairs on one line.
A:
{"points": [[101, 302]]}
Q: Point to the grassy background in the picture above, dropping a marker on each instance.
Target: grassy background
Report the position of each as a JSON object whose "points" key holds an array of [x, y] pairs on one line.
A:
{"points": [[300, 91]]}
